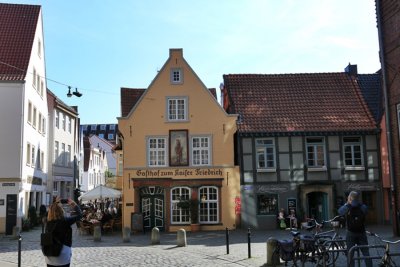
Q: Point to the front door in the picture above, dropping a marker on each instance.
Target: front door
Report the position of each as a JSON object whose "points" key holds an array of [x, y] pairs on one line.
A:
{"points": [[318, 206], [11, 213], [152, 206], [369, 199]]}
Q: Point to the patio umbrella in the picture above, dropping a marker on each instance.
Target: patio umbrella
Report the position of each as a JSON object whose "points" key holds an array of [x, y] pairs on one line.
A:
{"points": [[100, 192]]}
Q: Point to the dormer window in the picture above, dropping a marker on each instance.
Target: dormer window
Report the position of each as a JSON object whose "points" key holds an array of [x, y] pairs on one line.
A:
{"points": [[177, 108], [176, 76]]}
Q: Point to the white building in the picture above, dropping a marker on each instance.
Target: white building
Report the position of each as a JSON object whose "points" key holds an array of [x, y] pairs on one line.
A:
{"points": [[95, 163], [64, 151], [23, 113]]}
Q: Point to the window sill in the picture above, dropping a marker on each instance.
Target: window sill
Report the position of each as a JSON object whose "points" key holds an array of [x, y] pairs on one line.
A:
{"points": [[266, 170], [316, 169], [354, 168]]}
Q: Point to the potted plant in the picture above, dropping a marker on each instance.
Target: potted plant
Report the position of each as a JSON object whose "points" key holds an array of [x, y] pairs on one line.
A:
{"points": [[193, 206]]}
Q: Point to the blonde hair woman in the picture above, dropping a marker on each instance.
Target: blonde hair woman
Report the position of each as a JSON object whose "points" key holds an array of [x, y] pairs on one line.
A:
{"points": [[61, 229]]}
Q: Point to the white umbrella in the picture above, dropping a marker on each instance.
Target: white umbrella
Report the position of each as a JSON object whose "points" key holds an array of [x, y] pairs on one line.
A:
{"points": [[100, 192]]}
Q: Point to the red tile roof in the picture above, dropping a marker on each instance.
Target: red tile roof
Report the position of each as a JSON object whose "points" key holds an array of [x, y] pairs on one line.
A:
{"points": [[314, 102], [130, 96], [17, 30]]}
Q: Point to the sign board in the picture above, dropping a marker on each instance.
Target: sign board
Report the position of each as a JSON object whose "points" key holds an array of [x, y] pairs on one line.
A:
{"points": [[291, 204], [137, 222]]}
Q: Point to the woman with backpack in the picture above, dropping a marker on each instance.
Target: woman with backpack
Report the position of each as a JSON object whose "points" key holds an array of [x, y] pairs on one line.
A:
{"points": [[60, 227], [354, 212]]}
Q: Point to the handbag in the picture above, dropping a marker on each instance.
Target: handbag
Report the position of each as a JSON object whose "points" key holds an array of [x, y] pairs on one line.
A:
{"points": [[51, 246]]}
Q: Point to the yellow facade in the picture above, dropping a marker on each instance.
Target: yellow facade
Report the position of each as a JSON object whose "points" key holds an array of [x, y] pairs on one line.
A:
{"points": [[177, 138]]}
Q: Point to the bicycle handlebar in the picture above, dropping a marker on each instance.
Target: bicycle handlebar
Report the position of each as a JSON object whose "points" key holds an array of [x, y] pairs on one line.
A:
{"points": [[380, 238], [323, 222]]}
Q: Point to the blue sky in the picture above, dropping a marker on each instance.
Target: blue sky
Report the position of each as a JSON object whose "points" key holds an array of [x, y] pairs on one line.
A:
{"points": [[101, 46]]}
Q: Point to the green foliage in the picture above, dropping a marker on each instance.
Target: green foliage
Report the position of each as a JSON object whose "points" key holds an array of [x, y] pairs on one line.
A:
{"points": [[193, 206]]}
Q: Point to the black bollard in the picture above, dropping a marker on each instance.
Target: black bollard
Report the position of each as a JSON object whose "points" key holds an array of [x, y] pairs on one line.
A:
{"points": [[227, 240], [248, 242], [19, 250]]}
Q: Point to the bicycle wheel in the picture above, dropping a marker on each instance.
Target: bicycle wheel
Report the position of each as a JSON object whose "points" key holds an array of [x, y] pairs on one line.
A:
{"points": [[327, 253]]}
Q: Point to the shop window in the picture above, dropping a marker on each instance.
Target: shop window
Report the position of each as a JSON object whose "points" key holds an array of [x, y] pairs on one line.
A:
{"points": [[179, 215], [208, 204], [267, 204]]}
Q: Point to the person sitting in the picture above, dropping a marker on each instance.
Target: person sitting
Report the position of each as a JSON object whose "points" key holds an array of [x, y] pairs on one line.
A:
{"points": [[292, 218], [282, 219]]}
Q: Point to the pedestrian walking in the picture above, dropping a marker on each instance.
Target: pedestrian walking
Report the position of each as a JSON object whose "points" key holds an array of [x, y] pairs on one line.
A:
{"points": [[355, 212]]}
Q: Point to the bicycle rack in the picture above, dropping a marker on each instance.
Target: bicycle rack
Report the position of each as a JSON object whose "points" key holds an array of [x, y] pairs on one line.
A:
{"points": [[332, 251], [360, 257]]}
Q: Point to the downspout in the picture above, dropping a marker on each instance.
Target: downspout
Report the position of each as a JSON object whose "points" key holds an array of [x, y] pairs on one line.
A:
{"points": [[387, 120]]}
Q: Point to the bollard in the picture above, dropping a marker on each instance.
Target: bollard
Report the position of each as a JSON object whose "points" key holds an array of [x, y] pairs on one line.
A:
{"points": [[272, 243], [97, 233], [155, 236], [227, 240], [181, 238], [248, 243], [126, 234], [19, 249]]}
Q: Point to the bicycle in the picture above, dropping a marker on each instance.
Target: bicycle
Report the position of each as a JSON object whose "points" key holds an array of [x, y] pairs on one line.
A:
{"points": [[386, 260]]}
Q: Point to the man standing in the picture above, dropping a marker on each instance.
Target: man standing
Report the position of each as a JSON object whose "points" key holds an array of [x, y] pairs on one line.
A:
{"points": [[355, 213]]}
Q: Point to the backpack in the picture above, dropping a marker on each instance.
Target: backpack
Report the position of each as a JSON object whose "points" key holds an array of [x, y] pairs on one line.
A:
{"points": [[50, 244], [355, 219]]}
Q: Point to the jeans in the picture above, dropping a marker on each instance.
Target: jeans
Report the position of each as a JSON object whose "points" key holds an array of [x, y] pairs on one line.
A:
{"points": [[353, 239]]}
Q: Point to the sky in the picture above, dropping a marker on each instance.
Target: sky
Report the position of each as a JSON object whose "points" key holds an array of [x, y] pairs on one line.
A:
{"points": [[101, 46]]}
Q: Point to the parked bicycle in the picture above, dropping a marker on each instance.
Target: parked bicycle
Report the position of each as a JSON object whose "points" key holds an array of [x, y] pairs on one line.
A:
{"points": [[320, 247], [386, 260]]}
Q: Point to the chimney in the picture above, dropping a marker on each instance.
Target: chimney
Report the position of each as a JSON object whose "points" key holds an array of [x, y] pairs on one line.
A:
{"points": [[351, 70]]}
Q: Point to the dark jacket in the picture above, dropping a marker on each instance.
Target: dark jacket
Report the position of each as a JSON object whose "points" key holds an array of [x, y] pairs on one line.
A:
{"points": [[343, 210], [62, 228]]}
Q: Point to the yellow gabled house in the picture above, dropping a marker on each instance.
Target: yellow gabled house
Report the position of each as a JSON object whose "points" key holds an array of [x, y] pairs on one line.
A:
{"points": [[177, 145]]}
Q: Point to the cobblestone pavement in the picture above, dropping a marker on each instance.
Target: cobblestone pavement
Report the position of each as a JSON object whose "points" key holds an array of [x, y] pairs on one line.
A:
{"points": [[203, 249]]}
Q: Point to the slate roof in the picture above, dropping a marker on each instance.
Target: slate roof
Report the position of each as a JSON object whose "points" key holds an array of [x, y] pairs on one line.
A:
{"points": [[17, 31], [371, 88], [287, 103], [130, 96]]}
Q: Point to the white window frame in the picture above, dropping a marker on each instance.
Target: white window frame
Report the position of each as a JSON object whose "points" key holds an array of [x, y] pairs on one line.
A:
{"points": [[69, 124], [157, 150], [69, 162], [33, 156], [34, 78], [174, 110], [63, 121], [56, 152], [57, 119], [40, 123], [176, 76], [28, 154], [201, 154], [55, 186], [39, 48], [263, 148], [102, 127], [34, 119], [112, 127], [30, 112], [42, 160], [44, 125], [179, 215], [352, 145], [110, 136], [63, 155], [101, 135], [313, 144], [209, 204]]}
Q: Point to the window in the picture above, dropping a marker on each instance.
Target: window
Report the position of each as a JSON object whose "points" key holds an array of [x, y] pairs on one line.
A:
{"points": [[33, 156], [101, 135], [69, 156], [176, 76], [40, 123], [57, 117], [265, 154], [315, 152], [63, 121], [55, 186], [28, 154], [84, 127], [41, 160], [43, 125], [38, 82], [34, 117], [208, 204], [103, 127], [63, 155], [157, 151], [110, 136], [56, 160], [112, 127], [39, 50], [120, 164], [69, 124], [177, 109], [34, 78], [200, 151], [179, 215], [352, 151], [29, 112], [41, 88], [267, 204]]}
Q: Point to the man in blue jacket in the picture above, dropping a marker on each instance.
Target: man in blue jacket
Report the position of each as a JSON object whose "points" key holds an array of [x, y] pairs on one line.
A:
{"points": [[355, 213]]}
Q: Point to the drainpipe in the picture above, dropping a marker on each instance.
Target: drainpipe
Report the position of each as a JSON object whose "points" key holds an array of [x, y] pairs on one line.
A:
{"points": [[388, 126]]}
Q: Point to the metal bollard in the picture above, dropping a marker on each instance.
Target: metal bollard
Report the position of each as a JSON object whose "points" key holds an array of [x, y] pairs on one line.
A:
{"points": [[227, 240], [248, 242], [19, 250]]}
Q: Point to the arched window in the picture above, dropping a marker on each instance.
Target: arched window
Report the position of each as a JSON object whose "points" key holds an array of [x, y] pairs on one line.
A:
{"points": [[179, 215], [208, 196]]}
